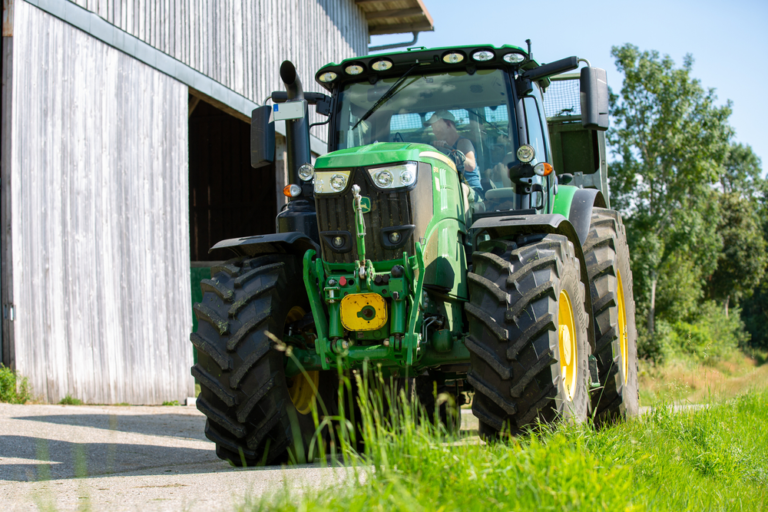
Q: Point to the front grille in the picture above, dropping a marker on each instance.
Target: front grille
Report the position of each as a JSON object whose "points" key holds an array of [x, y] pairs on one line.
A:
{"points": [[388, 209]]}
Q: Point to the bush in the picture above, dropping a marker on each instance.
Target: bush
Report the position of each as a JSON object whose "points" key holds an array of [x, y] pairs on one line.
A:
{"points": [[13, 390], [708, 337], [68, 400]]}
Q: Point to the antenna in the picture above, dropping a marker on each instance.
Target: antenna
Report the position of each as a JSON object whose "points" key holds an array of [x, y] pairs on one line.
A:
{"points": [[530, 54]]}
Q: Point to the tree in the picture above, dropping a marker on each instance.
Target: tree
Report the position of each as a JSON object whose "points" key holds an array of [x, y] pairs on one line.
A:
{"points": [[741, 263], [670, 140]]}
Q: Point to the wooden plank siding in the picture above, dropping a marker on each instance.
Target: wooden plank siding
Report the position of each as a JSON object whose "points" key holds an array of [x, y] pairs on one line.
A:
{"points": [[241, 43], [99, 219]]}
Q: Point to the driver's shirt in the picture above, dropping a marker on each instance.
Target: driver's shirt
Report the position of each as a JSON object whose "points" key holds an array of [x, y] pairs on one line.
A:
{"points": [[471, 177]]}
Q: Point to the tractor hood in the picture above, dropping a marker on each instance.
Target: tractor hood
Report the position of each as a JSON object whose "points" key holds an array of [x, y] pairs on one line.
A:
{"points": [[373, 154]]}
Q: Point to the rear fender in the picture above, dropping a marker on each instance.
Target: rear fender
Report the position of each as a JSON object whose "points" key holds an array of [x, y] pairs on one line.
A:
{"points": [[513, 226], [276, 243]]}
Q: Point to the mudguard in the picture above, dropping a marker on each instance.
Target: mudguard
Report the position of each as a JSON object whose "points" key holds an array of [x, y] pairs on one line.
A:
{"points": [[513, 226], [576, 205], [277, 243]]}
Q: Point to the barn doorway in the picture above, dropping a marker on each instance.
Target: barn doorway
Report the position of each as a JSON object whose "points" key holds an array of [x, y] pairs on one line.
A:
{"points": [[227, 197]]}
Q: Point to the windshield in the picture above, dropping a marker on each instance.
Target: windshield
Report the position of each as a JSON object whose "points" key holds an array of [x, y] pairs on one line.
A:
{"points": [[476, 107]]}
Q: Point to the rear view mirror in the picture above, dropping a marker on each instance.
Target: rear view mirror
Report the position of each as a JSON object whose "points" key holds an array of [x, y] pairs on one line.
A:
{"points": [[262, 137], [594, 99]]}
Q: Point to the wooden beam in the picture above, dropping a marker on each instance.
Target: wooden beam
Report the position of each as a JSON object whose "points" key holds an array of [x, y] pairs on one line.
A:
{"points": [[7, 18], [393, 13], [6, 257], [219, 105], [400, 29], [193, 101]]}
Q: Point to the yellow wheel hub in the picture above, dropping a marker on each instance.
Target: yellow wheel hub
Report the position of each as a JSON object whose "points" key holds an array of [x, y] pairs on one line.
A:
{"points": [[302, 388], [623, 334], [566, 335]]}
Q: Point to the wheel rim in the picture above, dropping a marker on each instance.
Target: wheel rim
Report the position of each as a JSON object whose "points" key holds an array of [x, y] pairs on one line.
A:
{"points": [[566, 335], [303, 387], [623, 334]]}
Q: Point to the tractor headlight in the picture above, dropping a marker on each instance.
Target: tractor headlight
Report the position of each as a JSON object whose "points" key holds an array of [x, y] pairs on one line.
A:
{"points": [[306, 172], [338, 182], [331, 181], [526, 153], [384, 178], [394, 176]]}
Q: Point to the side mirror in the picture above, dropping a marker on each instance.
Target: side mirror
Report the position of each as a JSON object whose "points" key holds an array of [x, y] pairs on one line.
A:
{"points": [[594, 99], [262, 137]]}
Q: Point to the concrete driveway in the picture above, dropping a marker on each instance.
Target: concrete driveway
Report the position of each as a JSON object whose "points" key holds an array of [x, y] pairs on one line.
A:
{"points": [[125, 458]]}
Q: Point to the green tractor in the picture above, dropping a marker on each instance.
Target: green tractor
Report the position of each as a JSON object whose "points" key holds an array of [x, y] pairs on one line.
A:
{"points": [[457, 234]]}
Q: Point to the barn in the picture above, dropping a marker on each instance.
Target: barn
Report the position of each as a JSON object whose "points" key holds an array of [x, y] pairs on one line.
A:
{"points": [[124, 157]]}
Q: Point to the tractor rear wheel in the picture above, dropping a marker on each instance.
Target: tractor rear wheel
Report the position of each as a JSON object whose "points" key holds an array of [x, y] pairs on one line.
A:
{"points": [[527, 334], [607, 257], [254, 414]]}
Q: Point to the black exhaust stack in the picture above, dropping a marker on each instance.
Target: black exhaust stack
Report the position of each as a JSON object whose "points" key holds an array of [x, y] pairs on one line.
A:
{"points": [[297, 130], [299, 215]]}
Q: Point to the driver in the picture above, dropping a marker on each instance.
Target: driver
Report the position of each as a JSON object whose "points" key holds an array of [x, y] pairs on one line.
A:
{"points": [[448, 140]]}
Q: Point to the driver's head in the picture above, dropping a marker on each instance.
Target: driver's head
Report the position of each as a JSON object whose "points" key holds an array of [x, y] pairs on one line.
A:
{"points": [[443, 123]]}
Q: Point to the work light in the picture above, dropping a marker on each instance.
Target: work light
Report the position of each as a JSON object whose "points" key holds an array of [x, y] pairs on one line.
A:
{"points": [[453, 58], [483, 56], [382, 65], [328, 76], [514, 58], [354, 69]]}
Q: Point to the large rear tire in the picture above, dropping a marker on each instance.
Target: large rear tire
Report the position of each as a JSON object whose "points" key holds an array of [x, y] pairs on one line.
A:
{"points": [[607, 257], [254, 414], [527, 334]]}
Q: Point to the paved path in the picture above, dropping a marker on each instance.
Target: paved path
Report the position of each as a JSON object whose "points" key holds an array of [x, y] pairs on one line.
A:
{"points": [[131, 458]]}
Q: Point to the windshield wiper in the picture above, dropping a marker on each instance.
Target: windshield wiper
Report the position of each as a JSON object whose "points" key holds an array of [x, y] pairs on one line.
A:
{"points": [[388, 94]]}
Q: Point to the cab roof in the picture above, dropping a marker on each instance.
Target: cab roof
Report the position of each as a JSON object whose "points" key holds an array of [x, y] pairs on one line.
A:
{"points": [[430, 58]]}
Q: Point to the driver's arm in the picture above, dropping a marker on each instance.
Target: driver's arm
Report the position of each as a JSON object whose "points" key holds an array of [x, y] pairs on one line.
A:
{"points": [[466, 147]]}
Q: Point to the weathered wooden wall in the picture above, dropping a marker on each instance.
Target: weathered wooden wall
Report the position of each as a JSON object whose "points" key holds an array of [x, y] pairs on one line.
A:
{"points": [[99, 219], [241, 43]]}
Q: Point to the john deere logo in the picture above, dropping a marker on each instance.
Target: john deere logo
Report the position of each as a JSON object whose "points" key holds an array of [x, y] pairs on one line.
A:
{"points": [[365, 203]]}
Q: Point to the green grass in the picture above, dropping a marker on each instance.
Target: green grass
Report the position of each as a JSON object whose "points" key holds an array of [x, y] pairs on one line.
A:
{"points": [[709, 459], [13, 389], [69, 400], [174, 402]]}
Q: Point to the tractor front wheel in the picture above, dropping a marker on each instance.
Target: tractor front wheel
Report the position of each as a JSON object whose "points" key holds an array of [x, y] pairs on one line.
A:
{"points": [[527, 334], [256, 415]]}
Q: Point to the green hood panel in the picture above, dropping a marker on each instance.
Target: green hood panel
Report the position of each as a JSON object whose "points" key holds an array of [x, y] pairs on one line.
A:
{"points": [[375, 154]]}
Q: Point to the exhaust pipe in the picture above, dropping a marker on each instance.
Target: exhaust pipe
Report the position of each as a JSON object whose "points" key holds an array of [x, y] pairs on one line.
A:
{"points": [[300, 215], [297, 130]]}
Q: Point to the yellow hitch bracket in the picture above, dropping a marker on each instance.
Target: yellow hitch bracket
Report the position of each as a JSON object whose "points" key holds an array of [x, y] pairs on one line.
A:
{"points": [[363, 312]]}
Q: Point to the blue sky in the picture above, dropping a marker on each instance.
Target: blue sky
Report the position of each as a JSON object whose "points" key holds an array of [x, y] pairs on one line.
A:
{"points": [[728, 40]]}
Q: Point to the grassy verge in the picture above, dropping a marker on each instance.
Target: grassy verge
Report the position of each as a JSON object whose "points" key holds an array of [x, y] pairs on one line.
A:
{"points": [[686, 380], [13, 389], [709, 459]]}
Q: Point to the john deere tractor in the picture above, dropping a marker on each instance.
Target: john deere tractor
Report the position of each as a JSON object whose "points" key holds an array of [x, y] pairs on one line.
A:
{"points": [[457, 234]]}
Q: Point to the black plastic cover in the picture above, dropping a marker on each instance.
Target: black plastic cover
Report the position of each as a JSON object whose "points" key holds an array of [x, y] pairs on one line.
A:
{"points": [[594, 99], [262, 137]]}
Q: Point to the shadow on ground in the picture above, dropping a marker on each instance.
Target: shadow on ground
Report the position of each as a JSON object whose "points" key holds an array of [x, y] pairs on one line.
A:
{"points": [[182, 426]]}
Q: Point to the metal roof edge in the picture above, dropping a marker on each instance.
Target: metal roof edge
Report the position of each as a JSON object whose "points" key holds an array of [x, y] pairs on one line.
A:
{"points": [[101, 29]]}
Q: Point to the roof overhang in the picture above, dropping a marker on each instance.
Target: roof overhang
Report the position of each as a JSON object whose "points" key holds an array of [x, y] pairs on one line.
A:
{"points": [[396, 16]]}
